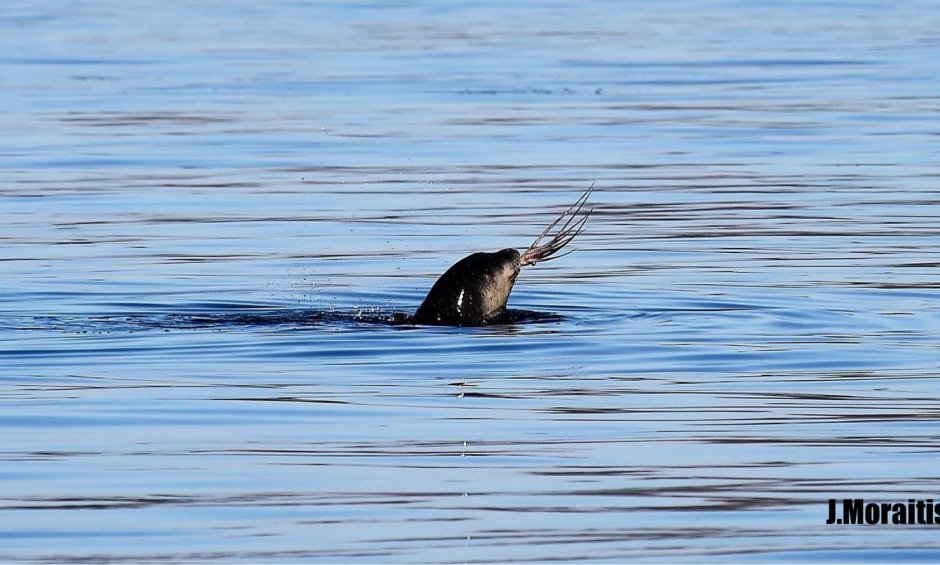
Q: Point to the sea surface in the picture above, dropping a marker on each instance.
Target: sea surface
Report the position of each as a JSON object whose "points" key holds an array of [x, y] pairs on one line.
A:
{"points": [[215, 215]]}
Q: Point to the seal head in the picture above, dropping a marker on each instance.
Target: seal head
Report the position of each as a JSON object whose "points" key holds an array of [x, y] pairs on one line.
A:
{"points": [[473, 292]]}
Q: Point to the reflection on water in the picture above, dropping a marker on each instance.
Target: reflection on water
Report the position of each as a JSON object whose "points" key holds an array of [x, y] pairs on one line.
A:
{"points": [[218, 218], [233, 317]]}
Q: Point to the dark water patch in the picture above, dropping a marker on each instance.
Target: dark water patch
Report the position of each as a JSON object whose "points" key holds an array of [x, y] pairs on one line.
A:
{"points": [[74, 61], [255, 318], [720, 63], [139, 119]]}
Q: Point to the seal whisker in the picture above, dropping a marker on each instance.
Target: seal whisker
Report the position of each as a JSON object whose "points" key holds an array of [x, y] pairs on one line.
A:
{"points": [[549, 250], [570, 229], [474, 290], [578, 204]]}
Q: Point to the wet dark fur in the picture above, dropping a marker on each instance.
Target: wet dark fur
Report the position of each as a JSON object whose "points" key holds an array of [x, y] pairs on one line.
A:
{"points": [[473, 292]]}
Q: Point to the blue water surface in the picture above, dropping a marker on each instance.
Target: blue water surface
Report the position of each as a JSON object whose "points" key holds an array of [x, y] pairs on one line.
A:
{"points": [[211, 213]]}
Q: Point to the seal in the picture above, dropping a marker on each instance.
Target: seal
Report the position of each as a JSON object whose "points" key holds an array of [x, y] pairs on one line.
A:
{"points": [[475, 290]]}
